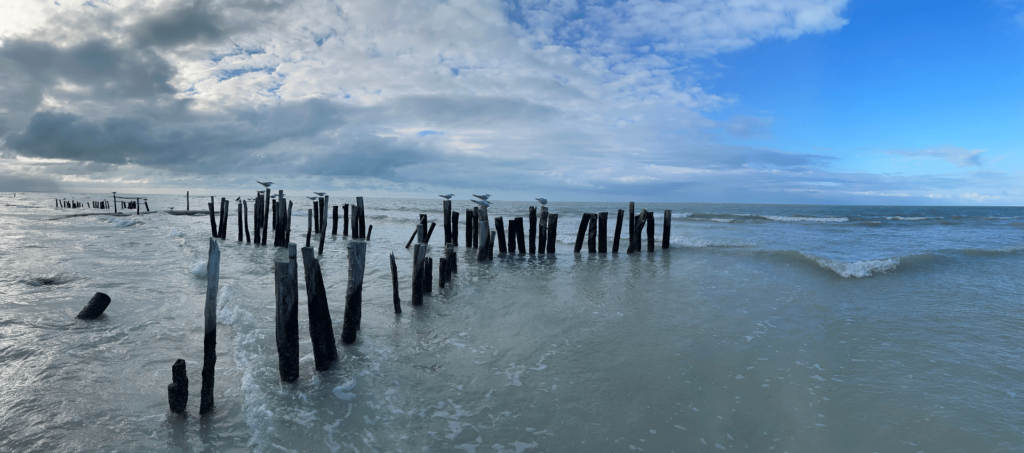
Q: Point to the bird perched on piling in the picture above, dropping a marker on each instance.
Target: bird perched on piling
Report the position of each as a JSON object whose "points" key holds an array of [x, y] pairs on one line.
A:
{"points": [[321, 193], [313, 198], [483, 197], [266, 184], [543, 201], [238, 199], [483, 203], [447, 197]]}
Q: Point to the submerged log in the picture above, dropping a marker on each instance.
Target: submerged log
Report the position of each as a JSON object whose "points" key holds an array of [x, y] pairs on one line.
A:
{"points": [[95, 307]]}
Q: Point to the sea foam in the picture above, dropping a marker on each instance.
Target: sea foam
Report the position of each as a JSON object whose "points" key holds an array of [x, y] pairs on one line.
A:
{"points": [[856, 269]]}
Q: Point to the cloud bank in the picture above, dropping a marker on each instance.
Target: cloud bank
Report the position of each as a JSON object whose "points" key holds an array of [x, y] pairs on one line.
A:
{"points": [[587, 100]]}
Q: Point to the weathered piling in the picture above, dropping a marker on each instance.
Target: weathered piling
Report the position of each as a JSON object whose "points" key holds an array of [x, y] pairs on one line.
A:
{"points": [[321, 329], [542, 231], [245, 219], [323, 223], [316, 215], [95, 307], [584, 223], [418, 258], [257, 210], [224, 218], [266, 215], [188, 201], [354, 292], [394, 285], [344, 227], [552, 232], [213, 220], [634, 244], [483, 237], [666, 230], [520, 235], [602, 232], [442, 271], [362, 217], [650, 232], [210, 327], [618, 232], [592, 234], [286, 286], [499, 227], [334, 225], [430, 232], [452, 264], [469, 228], [369, 231], [632, 226], [309, 228], [455, 229], [490, 245], [415, 231], [428, 275], [177, 390], [446, 206], [533, 229], [476, 229], [239, 221], [511, 236], [138, 211]]}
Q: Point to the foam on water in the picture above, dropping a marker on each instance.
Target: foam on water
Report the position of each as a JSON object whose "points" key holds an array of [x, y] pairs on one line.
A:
{"points": [[857, 269], [806, 219]]}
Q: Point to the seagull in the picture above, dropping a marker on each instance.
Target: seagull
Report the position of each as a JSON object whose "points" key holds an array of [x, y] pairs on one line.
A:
{"points": [[542, 201], [313, 198], [447, 197], [483, 197], [321, 193], [238, 199], [172, 208], [481, 203], [266, 184]]}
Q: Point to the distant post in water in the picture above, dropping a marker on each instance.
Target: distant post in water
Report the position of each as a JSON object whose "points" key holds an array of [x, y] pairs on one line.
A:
{"points": [[542, 231], [650, 232], [344, 228], [188, 202], [210, 327], [334, 227], [321, 330], [245, 218], [213, 220], [584, 223], [632, 227], [447, 208], [362, 217], [533, 229], [499, 227], [666, 231], [520, 235], [286, 285], [592, 234], [455, 229], [552, 232], [511, 235], [309, 227], [418, 258], [394, 285]]}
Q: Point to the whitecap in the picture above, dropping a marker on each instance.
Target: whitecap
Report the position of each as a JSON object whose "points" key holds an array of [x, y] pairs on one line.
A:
{"points": [[856, 269], [781, 218]]}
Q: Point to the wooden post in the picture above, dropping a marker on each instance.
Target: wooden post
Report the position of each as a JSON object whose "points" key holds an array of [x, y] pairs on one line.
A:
{"points": [[286, 286], [418, 257], [602, 232], [309, 228], [442, 271], [584, 223], [430, 231], [455, 229], [224, 218], [188, 202], [520, 235], [321, 329], [344, 228], [146, 201], [533, 229], [476, 228], [210, 327], [369, 231], [177, 390], [511, 236], [362, 217], [316, 215], [137, 207], [446, 206], [484, 237], [469, 228], [542, 231], [394, 285], [240, 221], [618, 232], [323, 223], [257, 216], [666, 231], [428, 275], [632, 227], [592, 235], [266, 214], [490, 244], [354, 293], [650, 232], [634, 245], [499, 227], [552, 232], [414, 233], [213, 221], [334, 227], [245, 219]]}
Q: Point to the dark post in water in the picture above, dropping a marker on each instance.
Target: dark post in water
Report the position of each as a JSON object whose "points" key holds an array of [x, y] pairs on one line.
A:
{"points": [[210, 328], [287, 316], [354, 292]]}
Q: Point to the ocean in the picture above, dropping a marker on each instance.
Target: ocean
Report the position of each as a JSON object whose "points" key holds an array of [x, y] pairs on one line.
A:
{"points": [[762, 328]]}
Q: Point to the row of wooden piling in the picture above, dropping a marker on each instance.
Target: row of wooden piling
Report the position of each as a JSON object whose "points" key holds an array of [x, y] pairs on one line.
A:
{"points": [[75, 204]]}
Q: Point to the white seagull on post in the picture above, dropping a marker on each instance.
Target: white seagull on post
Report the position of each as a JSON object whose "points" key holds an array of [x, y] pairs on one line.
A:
{"points": [[447, 197], [483, 197], [542, 201], [481, 203], [266, 184], [321, 193]]}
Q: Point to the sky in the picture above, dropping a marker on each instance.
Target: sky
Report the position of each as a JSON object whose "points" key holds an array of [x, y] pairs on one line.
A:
{"points": [[738, 101]]}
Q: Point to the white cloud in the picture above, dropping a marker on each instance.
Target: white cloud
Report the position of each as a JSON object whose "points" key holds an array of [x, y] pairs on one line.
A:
{"points": [[961, 157]]}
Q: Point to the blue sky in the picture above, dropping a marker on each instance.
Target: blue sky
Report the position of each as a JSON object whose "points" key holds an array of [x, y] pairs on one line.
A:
{"points": [[759, 101]]}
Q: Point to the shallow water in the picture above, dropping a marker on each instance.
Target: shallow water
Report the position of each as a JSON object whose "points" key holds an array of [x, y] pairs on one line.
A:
{"points": [[783, 328]]}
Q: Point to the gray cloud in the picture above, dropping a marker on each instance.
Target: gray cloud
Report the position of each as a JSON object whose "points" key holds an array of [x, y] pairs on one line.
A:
{"points": [[191, 23]]}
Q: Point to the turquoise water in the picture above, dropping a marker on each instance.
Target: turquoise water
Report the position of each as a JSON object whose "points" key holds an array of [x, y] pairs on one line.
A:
{"points": [[762, 327]]}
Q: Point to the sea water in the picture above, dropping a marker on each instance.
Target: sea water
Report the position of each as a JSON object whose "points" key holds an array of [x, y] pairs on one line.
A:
{"points": [[762, 328]]}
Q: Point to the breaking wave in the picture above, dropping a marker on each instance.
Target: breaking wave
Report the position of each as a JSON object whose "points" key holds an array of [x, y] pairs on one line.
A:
{"points": [[856, 269]]}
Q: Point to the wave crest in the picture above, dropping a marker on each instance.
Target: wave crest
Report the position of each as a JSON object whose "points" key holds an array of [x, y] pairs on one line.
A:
{"points": [[856, 269]]}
